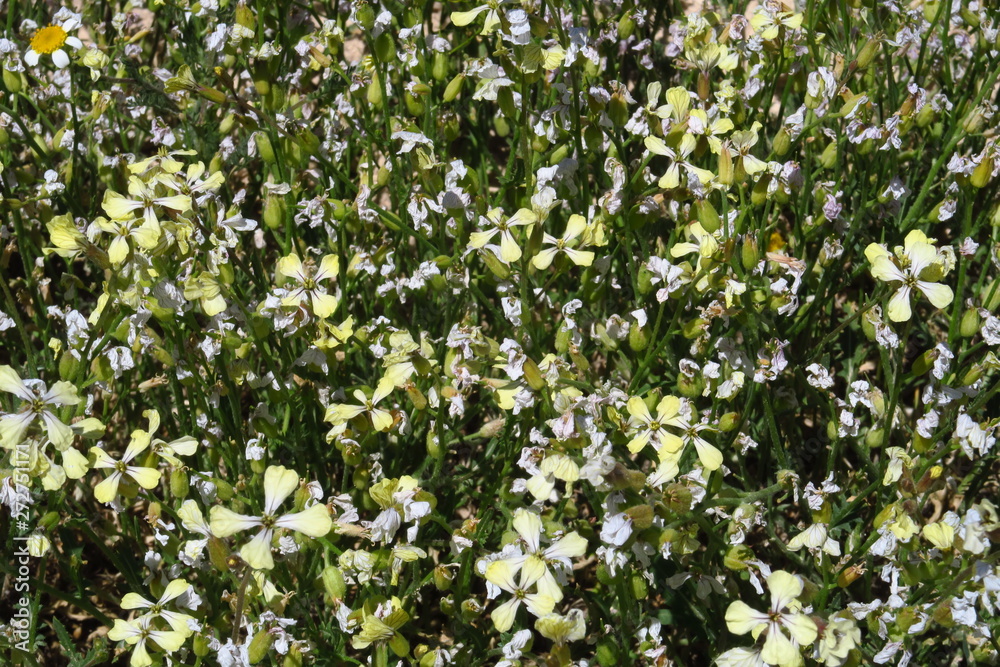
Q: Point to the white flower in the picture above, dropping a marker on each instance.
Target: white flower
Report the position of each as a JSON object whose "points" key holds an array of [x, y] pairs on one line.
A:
{"points": [[51, 40]]}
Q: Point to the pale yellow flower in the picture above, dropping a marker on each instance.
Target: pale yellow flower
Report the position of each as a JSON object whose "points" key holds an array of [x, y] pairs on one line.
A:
{"points": [[309, 284], [279, 483], [38, 400], [784, 615], [911, 269], [147, 478]]}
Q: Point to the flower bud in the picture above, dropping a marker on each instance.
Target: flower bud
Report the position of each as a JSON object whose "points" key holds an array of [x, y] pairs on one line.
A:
{"points": [[875, 438], [782, 142], [749, 253], [974, 122], [639, 588]]}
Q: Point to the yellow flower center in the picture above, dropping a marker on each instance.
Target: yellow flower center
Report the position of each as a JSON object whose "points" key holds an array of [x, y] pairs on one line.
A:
{"points": [[48, 39]]}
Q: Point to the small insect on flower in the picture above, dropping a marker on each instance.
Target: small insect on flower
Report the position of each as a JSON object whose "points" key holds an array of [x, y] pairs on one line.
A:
{"points": [[51, 40]]}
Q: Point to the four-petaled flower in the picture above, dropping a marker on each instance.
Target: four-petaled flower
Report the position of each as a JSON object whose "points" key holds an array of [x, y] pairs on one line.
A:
{"points": [[510, 251], [279, 483], [309, 283], [575, 227], [915, 268], [147, 478], [37, 399], [784, 615]]}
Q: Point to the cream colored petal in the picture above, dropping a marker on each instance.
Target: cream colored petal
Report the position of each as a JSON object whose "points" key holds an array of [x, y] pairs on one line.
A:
{"points": [[899, 305], [279, 483], [938, 294], [257, 552], [225, 522], [741, 618], [147, 478], [314, 521]]}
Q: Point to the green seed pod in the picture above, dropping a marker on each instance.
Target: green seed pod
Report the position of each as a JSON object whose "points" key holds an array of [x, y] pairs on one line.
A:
{"points": [[641, 515], [618, 110], [505, 98], [439, 66], [293, 658], [533, 375], [749, 253], [829, 156], [868, 52], [875, 438], [443, 577], [275, 211], [737, 556], [925, 361], [729, 421], [973, 375], [501, 126], [727, 174], [260, 645], [265, 148], [200, 647], [677, 498], [333, 582], [471, 609], [49, 520], [971, 321], [496, 267], [690, 387], [991, 295], [639, 588], [453, 88], [562, 340], [223, 489], [365, 15], [707, 215], [12, 80], [626, 25], [782, 142], [638, 340], [982, 173], [374, 92], [179, 484], [385, 48]]}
